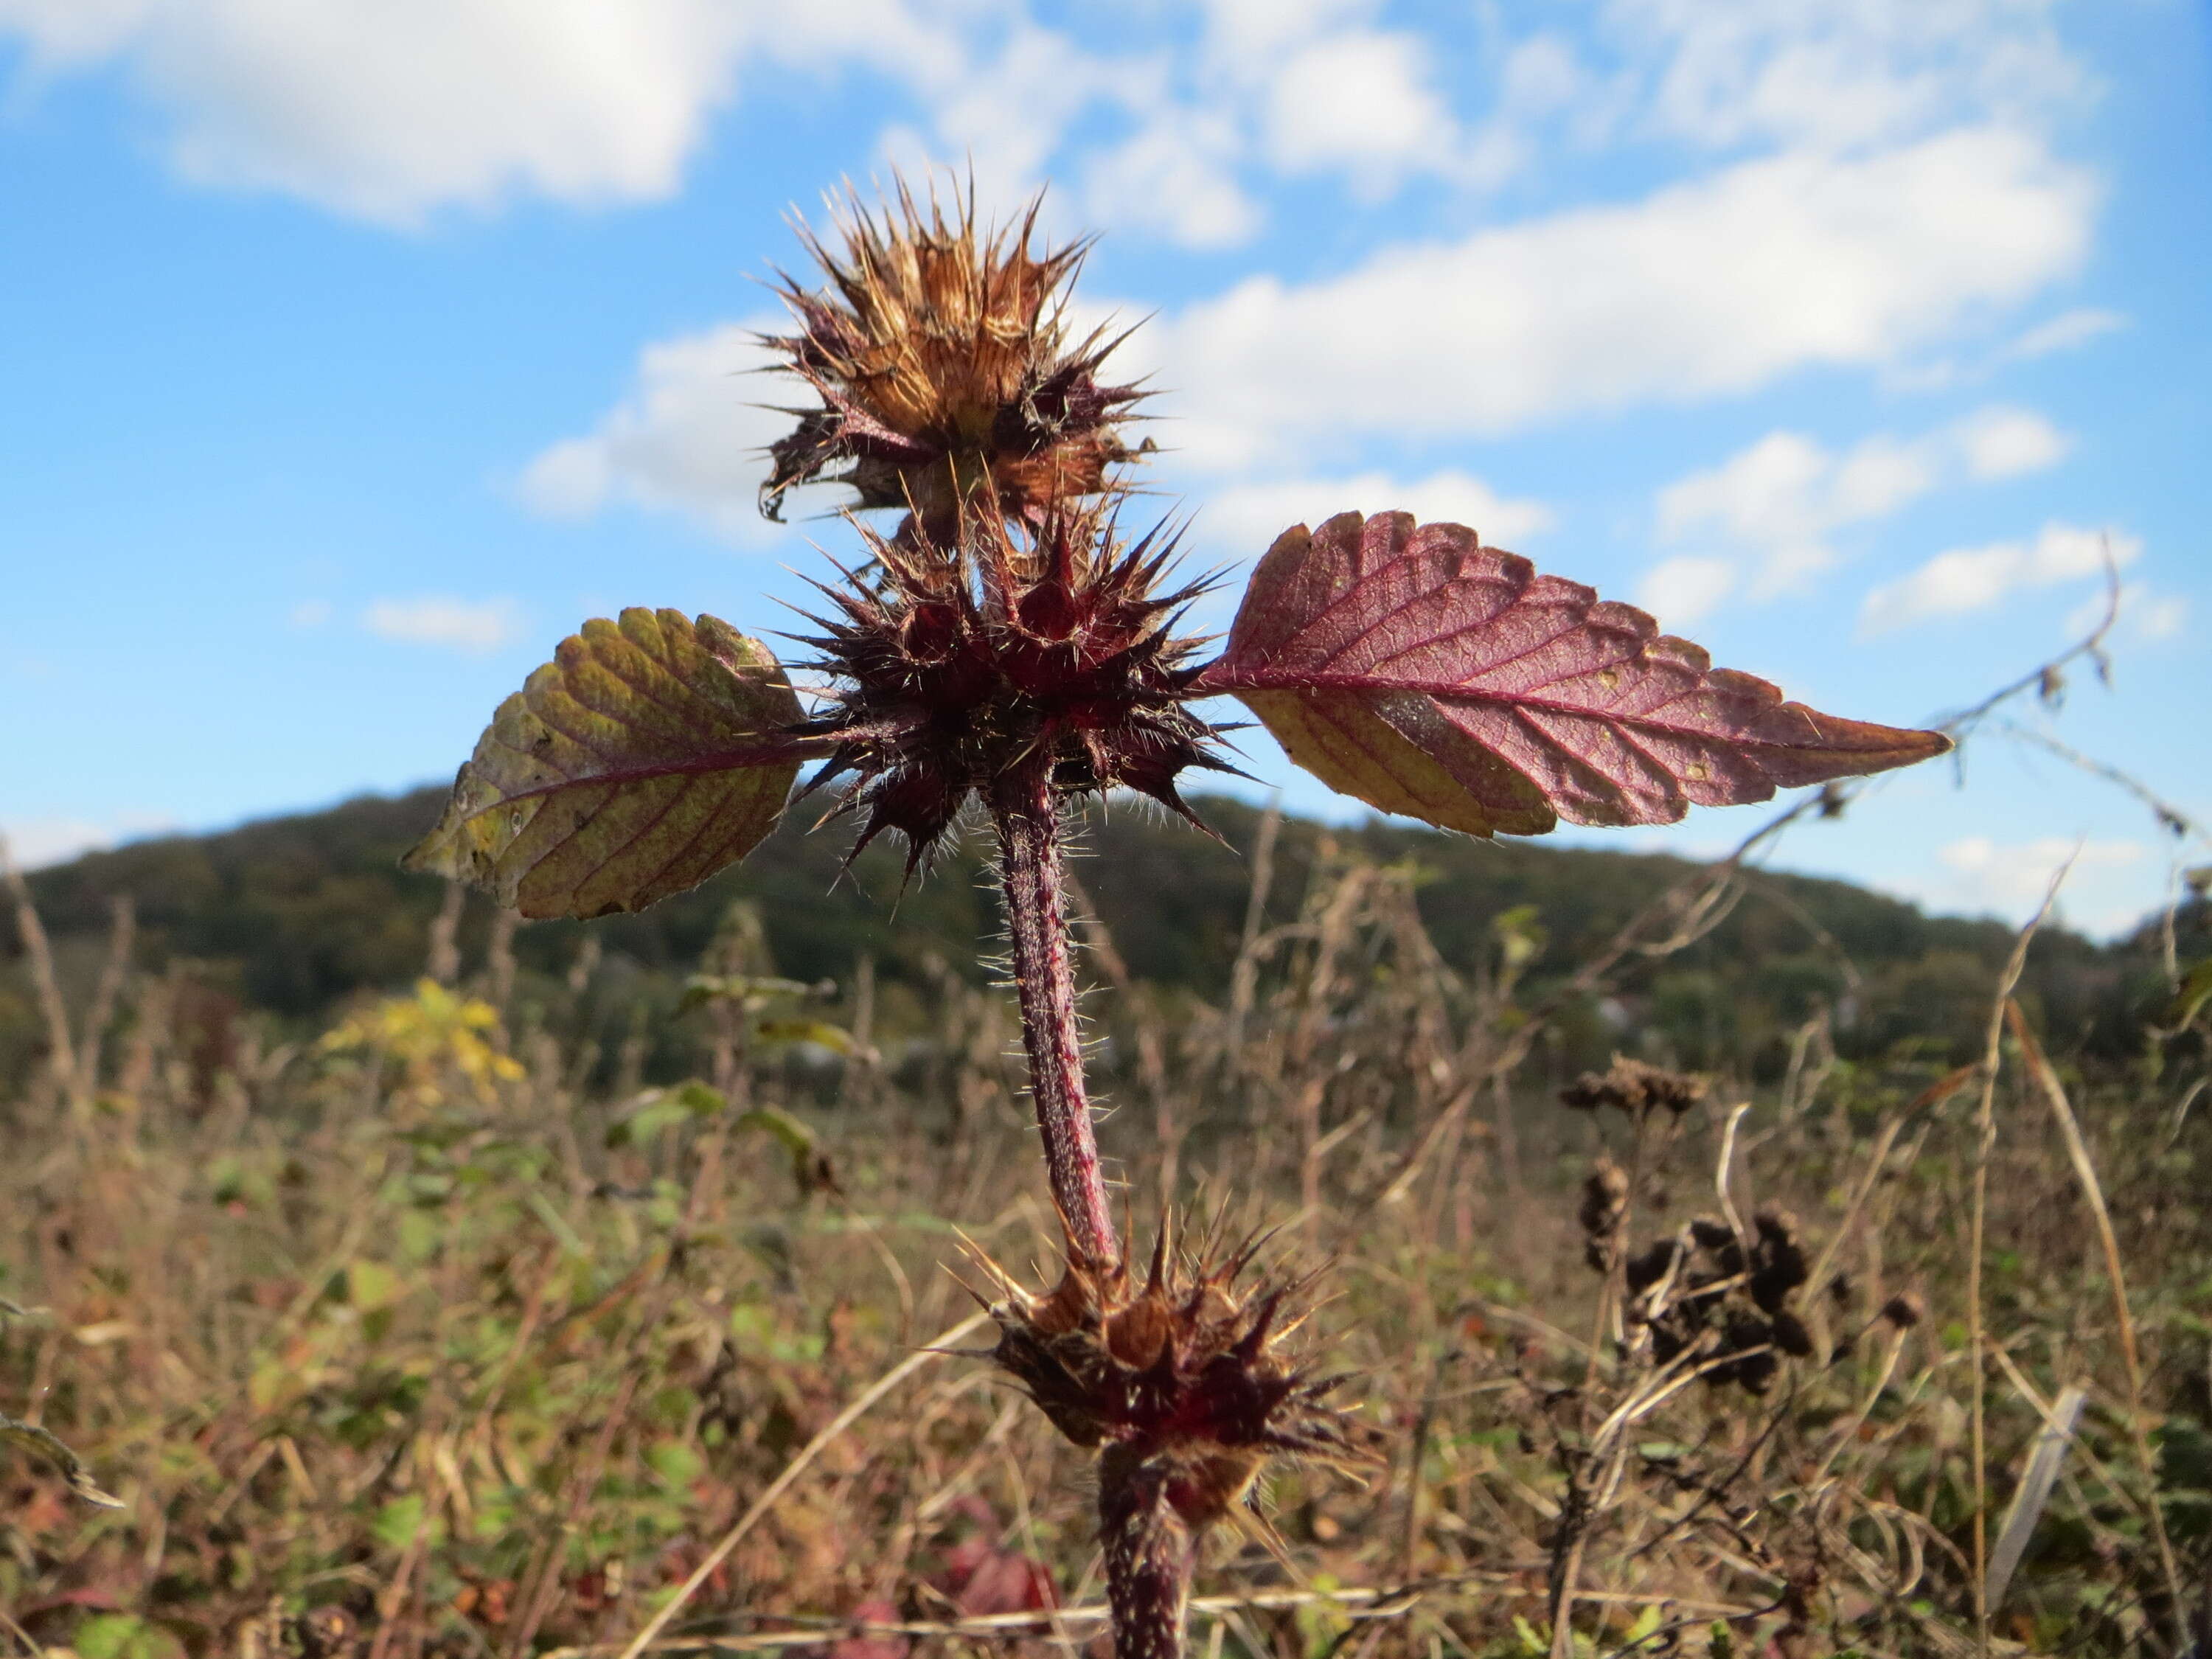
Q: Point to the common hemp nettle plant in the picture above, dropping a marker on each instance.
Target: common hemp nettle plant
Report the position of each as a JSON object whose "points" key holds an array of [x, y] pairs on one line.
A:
{"points": [[1004, 644]]}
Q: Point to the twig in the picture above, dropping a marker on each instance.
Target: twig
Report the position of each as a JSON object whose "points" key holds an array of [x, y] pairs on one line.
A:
{"points": [[1379, 1603], [61, 1053], [799, 1462], [2170, 818]]}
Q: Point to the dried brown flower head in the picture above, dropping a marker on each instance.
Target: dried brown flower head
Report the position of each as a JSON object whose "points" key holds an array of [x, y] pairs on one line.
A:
{"points": [[1724, 1302], [1904, 1311], [1634, 1087], [1183, 1380], [944, 363]]}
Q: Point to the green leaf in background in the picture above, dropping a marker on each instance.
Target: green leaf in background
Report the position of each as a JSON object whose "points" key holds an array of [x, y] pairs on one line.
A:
{"points": [[647, 754], [2195, 990], [810, 1165], [783, 1033], [747, 991], [658, 1110], [675, 1463], [371, 1285], [398, 1521], [124, 1636]]}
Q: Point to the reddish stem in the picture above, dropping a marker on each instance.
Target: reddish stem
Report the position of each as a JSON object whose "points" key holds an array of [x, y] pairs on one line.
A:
{"points": [[1026, 813], [1149, 1557]]}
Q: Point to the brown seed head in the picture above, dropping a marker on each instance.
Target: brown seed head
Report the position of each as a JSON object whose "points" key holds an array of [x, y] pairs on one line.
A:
{"points": [[943, 361], [1183, 1380], [1635, 1088], [1904, 1311]]}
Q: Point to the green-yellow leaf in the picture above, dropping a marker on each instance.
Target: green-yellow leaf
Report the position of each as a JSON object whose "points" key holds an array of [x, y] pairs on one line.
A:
{"points": [[786, 1032], [797, 1139], [647, 754], [42, 1443], [371, 1285], [2195, 992]]}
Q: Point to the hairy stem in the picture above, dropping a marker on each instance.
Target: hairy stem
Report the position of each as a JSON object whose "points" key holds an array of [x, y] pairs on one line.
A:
{"points": [[1149, 1556], [1027, 816]]}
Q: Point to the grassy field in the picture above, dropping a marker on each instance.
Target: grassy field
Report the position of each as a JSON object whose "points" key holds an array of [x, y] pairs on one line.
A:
{"points": [[440, 1332]]}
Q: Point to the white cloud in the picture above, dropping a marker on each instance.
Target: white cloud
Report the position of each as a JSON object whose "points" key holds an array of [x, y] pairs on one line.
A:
{"points": [[1965, 579], [1813, 74], [687, 437], [389, 109], [2067, 331], [1981, 876], [2148, 614], [2160, 616], [2003, 443], [478, 627], [309, 614], [1358, 102], [1176, 175], [36, 843], [1681, 591], [1779, 503], [1701, 290], [1244, 521]]}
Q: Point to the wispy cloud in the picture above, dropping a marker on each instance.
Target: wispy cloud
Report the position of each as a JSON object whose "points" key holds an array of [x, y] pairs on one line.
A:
{"points": [[687, 437], [1965, 579], [1980, 875], [1827, 261], [2147, 614], [2067, 331], [36, 843], [479, 627], [389, 113], [1774, 509], [1242, 521], [1681, 591]]}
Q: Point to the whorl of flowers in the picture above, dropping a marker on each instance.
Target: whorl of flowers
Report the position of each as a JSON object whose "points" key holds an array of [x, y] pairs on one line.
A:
{"points": [[1186, 1384], [952, 664]]}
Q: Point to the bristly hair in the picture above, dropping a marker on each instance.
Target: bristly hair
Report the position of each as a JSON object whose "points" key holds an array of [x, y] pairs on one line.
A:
{"points": [[943, 360], [950, 665]]}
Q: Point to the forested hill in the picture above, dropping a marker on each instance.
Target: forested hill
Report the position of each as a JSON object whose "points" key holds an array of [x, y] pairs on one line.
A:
{"points": [[292, 914]]}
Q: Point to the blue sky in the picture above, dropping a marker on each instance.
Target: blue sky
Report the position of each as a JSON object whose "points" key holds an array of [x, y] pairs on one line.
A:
{"points": [[355, 350]]}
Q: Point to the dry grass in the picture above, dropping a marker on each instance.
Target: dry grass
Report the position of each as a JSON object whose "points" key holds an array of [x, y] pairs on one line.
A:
{"points": [[413, 1341]]}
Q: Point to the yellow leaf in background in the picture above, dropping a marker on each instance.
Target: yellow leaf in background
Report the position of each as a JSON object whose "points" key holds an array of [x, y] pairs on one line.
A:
{"points": [[371, 1285]]}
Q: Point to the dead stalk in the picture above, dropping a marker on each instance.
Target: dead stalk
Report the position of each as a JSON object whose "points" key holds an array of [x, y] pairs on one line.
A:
{"points": [[1984, 1141], [2085, 1173]]}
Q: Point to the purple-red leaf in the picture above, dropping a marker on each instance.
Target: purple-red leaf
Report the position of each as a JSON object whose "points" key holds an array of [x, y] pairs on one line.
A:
{"points": [[645, 756], [1426, 674]]}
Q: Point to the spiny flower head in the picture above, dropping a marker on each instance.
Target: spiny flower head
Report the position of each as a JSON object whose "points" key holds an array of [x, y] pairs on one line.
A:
{"points": [[944, 365], [1183, 1380], [951, 665]]}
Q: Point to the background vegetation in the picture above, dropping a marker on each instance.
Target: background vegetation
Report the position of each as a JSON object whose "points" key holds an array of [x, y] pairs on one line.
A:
{"points": [[424, 1285]]}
